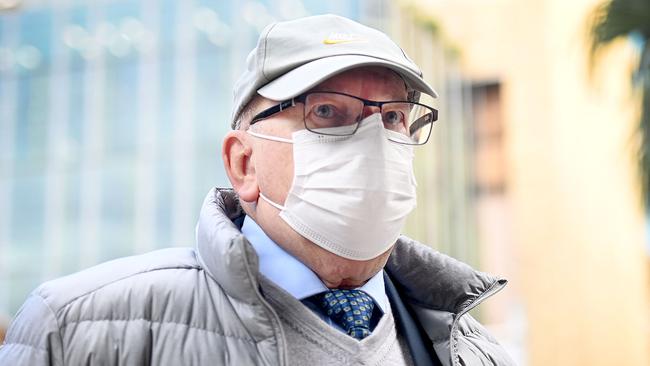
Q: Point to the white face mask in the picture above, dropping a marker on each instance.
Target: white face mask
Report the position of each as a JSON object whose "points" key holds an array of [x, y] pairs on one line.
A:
{"points": [[350, 194]]}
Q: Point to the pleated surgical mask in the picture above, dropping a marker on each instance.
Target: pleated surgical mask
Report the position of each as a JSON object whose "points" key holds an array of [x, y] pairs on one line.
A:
{"points": [[350, 194]]}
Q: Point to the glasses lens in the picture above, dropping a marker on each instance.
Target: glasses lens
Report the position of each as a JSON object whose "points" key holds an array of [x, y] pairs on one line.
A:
{"points": [[332, 114], [412, 120]]}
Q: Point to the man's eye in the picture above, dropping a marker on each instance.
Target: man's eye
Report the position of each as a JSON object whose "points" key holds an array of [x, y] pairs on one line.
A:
{"points": [[325, 111], [393, 117]]}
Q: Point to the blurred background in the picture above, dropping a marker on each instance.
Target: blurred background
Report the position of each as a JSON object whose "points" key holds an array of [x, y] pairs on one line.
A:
{"points": [[112, 113]]}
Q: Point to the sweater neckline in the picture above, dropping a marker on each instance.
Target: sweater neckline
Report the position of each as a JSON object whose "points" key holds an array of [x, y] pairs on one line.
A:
{"points": [[372, 348]]}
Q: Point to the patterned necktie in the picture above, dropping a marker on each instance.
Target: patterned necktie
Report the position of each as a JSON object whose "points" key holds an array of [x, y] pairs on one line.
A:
{"points": [[351, 309]]}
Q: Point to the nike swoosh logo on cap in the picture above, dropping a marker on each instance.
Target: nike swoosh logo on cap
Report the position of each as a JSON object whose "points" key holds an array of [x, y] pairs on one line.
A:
{"points": [[339, 41]]}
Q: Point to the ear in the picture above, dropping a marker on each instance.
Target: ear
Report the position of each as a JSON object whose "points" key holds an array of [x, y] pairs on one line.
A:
{"points": [[237, 153]]}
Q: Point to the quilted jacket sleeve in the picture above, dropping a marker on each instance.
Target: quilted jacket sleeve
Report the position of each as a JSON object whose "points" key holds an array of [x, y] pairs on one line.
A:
{"points": [[33, 337], [476, 346]]}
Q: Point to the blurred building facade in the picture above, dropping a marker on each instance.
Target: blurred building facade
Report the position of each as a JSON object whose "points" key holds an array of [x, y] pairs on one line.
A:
{"points": [[557, 203]]}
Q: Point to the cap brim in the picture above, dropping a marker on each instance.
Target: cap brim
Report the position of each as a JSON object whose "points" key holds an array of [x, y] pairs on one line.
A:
{"points": [[305, 77]]}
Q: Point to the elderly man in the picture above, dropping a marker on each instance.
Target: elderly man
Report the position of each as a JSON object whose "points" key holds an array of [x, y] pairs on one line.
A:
{"points": [[301, 262]]}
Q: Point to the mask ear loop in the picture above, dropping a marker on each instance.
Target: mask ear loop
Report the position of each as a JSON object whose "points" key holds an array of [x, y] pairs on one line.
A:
{"points": [[279, 207], [272, 138]]}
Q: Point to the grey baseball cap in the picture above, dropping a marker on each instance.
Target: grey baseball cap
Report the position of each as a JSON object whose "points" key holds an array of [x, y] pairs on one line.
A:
{"points": [[292, 57]]}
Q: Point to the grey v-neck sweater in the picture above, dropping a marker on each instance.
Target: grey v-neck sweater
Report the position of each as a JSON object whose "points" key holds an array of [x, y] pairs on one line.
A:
{"points": [[310, 341]]}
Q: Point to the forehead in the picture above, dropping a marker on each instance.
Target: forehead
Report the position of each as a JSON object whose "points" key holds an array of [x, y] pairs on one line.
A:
{"points": [[375, 83]]}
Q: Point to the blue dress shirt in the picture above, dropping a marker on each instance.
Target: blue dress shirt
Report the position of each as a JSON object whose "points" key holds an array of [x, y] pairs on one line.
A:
{"points": [[297, 279]]}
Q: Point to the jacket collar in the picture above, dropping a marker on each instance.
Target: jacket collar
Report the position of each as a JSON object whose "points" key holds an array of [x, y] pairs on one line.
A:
{"points": [[222, 249], [426, 277], [436, 281]]}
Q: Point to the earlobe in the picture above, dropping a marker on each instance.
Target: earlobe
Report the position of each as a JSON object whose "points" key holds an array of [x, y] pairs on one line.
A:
{"points": [[237, 157]]}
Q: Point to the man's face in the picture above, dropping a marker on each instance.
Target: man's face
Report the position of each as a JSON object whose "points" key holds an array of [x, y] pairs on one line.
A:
{"points": [[274, 164], [270, 168]]}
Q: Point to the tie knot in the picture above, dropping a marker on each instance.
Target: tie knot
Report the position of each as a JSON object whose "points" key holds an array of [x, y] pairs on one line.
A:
{"points": [[351, 309]]}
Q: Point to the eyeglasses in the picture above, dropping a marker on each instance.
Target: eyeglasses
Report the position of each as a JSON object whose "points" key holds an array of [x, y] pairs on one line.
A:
{"points": [[339, 114]]}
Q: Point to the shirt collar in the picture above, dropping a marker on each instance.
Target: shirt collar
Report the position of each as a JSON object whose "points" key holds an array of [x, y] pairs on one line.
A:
{"points": [[295, 277]]}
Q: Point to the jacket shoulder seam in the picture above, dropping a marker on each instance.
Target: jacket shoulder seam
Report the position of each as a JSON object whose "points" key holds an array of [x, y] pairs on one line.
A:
{"points": [[52, 314], [55, 317]]}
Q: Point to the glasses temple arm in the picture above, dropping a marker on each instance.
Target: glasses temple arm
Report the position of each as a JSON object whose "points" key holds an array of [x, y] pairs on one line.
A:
{"points": [[421, 122]]}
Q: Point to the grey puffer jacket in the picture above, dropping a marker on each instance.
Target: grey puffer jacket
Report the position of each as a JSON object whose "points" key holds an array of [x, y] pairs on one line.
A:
{"points": [[203, 307]]}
